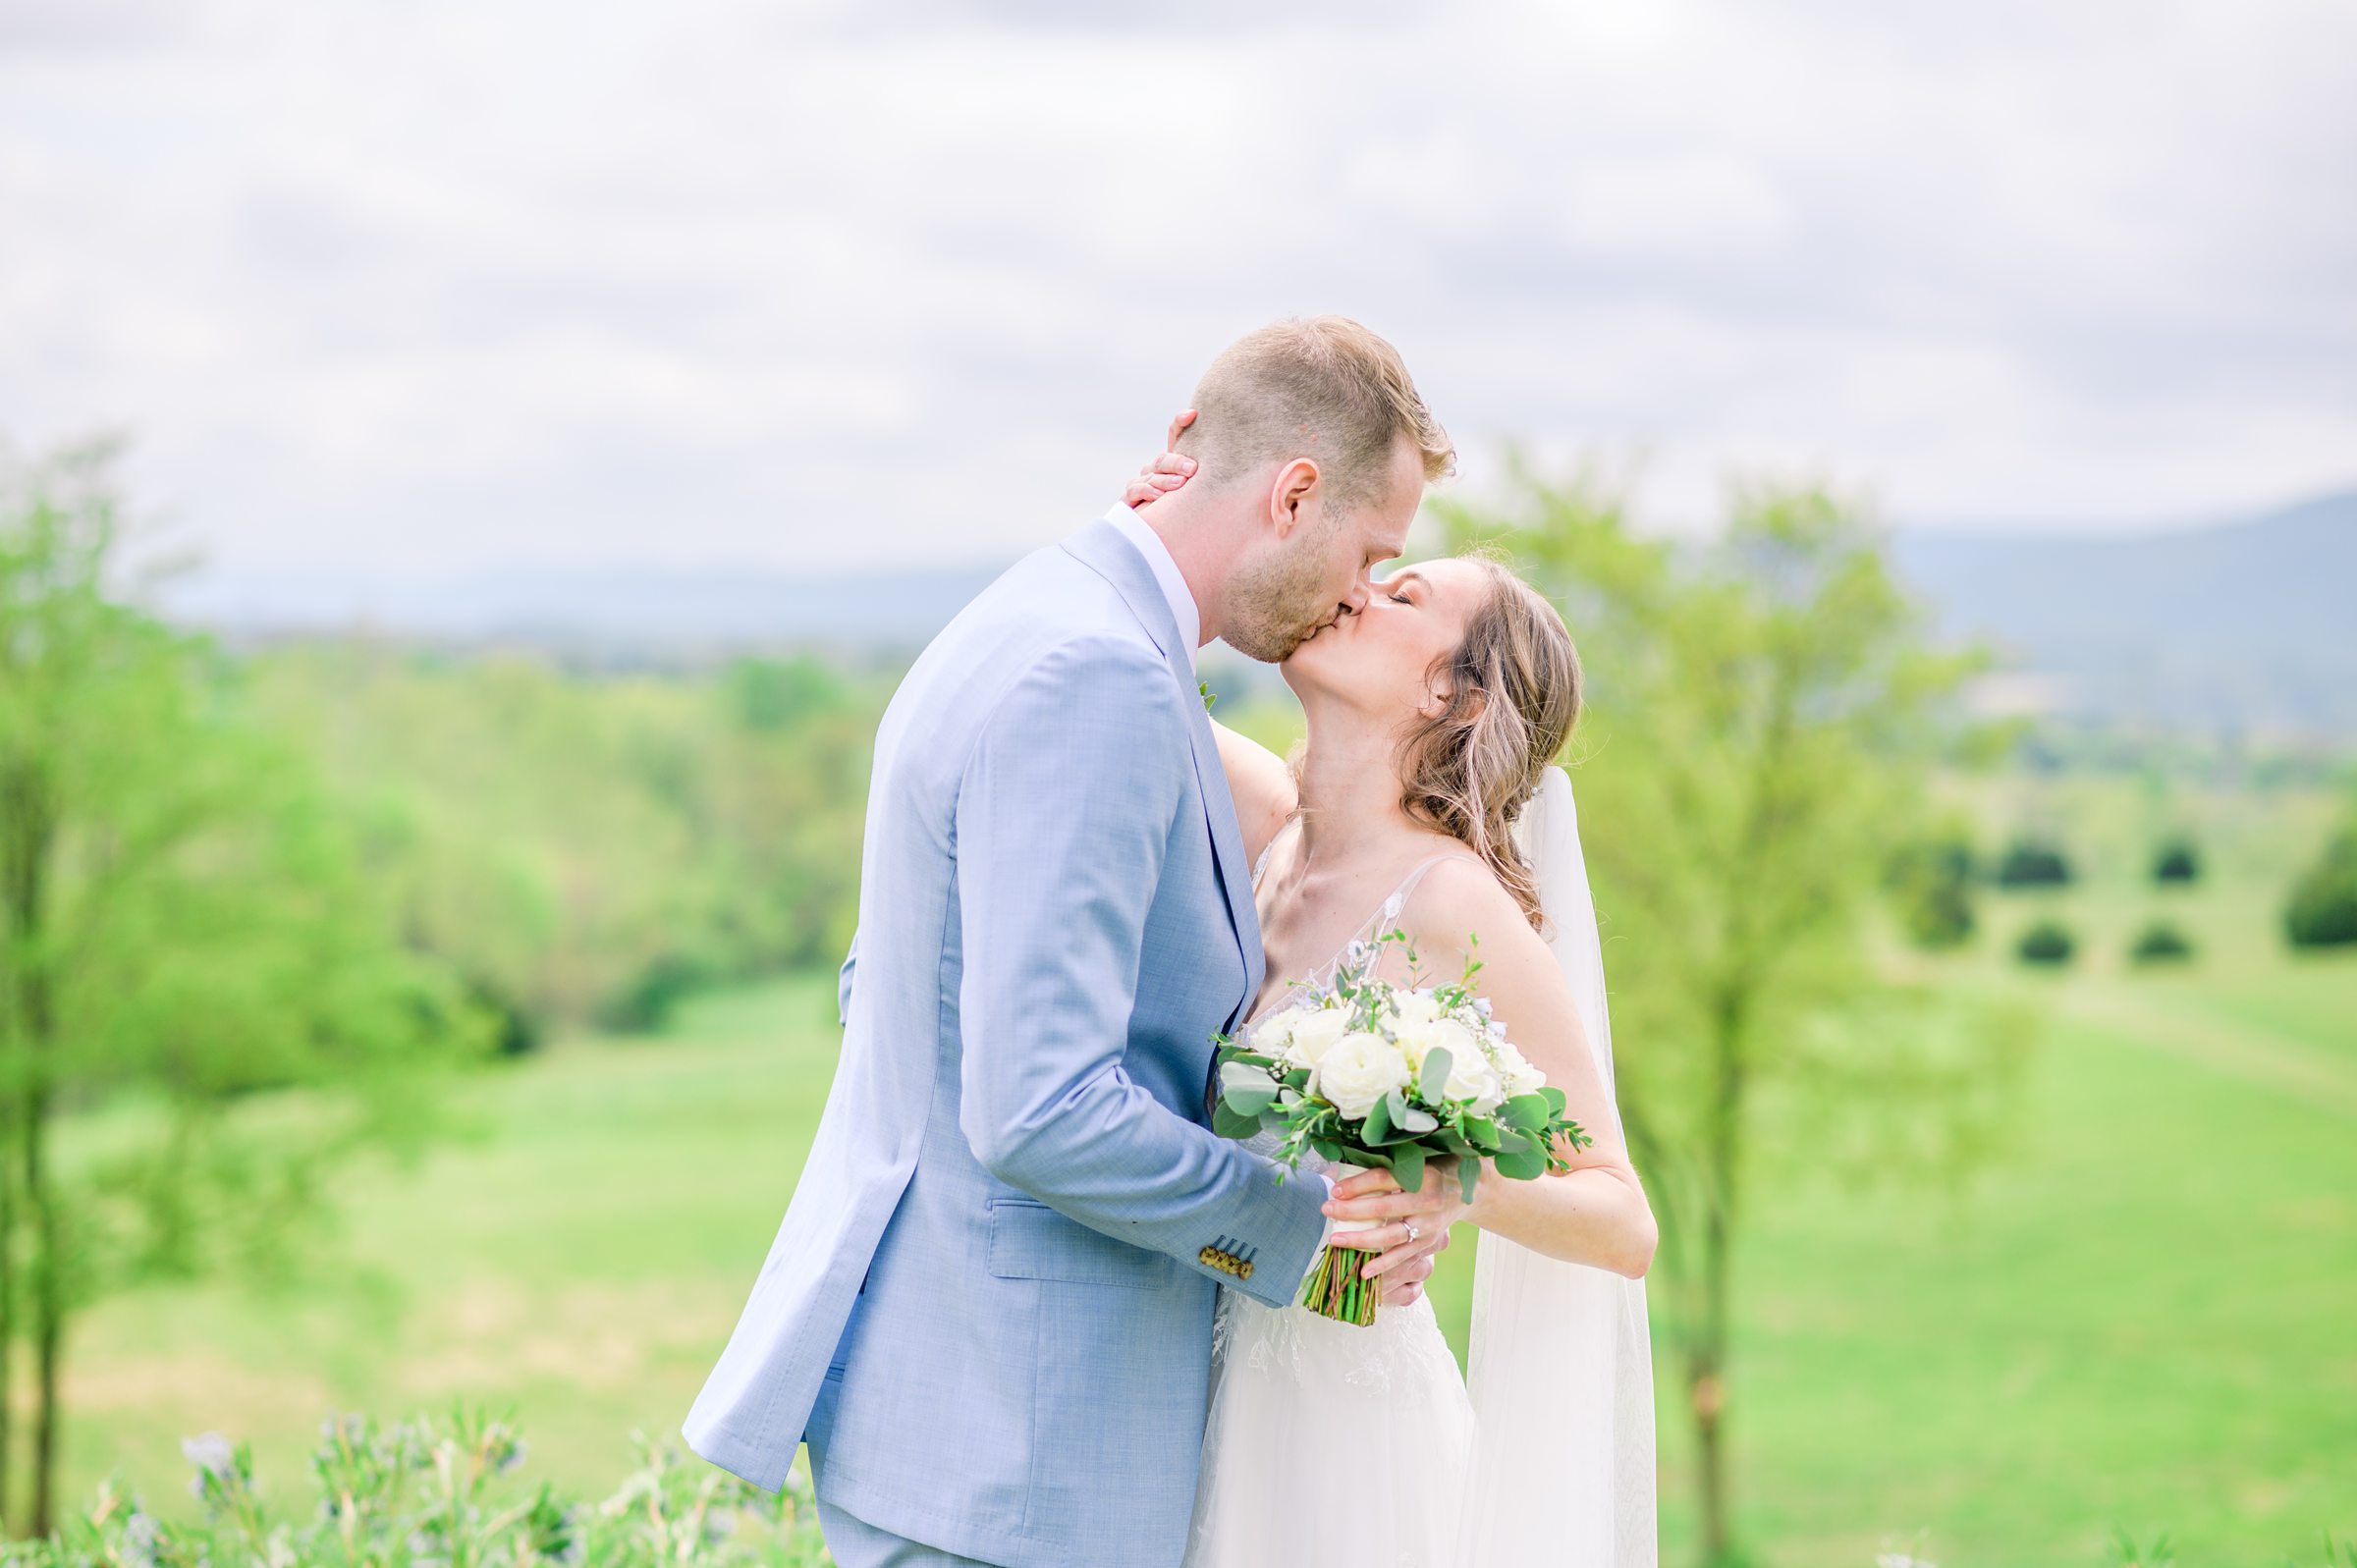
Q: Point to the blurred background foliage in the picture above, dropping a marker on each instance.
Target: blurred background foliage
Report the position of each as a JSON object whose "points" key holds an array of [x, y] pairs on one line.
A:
{"points": [[387, 1021]]}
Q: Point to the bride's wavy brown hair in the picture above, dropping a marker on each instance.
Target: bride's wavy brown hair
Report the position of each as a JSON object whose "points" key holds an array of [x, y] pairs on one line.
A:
{"points": [[1514, 691]]}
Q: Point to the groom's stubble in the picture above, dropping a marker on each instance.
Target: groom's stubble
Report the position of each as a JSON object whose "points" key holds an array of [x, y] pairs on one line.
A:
{"points": [[1278, 602]]}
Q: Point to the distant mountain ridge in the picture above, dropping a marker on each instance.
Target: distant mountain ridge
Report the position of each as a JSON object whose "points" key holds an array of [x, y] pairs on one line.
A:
{"points": [[2238, 626], [2244, 625]]}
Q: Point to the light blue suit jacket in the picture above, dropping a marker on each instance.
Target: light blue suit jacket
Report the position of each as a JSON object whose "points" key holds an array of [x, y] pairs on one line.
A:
{"points": [[1005, 1245]]}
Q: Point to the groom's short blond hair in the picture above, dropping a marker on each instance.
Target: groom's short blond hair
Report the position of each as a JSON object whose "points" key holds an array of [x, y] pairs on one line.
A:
{"points": [[1320, 387]]}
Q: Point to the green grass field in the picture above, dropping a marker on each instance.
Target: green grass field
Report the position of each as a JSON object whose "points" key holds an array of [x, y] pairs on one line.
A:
{"points": [[2146, 1313]]}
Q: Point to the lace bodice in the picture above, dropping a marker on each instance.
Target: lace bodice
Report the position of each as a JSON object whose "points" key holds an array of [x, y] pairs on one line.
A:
{"points": [[1279, 988]]}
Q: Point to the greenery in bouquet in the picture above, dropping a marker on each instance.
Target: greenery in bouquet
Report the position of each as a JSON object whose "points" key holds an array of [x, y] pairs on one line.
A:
{"points": [[1391, 1077]]}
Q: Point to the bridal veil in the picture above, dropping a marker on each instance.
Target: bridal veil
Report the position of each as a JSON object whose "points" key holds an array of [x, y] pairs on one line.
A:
{"points": [[1561, 1361]]}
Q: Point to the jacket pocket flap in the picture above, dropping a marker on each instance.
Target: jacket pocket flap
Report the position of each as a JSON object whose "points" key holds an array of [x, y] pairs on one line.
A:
{"points": [[1032, 1241]]}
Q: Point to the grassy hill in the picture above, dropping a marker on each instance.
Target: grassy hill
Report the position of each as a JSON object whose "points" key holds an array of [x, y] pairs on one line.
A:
{"points": [[2140, 1314]]}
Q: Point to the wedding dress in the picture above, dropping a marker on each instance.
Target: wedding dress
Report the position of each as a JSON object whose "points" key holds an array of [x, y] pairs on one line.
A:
{"points": [[1328, 1445]]}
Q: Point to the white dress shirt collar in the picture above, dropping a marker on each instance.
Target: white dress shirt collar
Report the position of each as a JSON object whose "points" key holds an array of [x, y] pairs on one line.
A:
{"points": [[1165, 576]]}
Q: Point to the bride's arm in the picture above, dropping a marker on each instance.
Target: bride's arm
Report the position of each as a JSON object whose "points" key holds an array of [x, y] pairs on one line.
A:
{"points": [[1596, 1213], [1262, 784]]}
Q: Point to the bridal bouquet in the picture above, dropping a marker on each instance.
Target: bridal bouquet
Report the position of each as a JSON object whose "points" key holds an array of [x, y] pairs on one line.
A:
{"points": [[1369, 1074]]}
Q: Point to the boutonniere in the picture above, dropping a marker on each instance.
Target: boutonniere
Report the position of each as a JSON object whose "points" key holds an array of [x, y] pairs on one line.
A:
{"points": [[1209, 696]]}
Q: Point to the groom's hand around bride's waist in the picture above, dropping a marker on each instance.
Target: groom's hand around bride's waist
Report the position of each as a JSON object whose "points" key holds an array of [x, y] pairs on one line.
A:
{"points": [[1411, 1229]]}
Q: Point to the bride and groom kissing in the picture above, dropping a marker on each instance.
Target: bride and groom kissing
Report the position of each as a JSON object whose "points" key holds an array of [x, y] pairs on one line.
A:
{"points": [[1025, 1307]]}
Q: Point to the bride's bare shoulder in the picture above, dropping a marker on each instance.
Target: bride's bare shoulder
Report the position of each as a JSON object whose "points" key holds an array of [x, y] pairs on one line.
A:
{"points": [[1261, 784], [1462, 898]]}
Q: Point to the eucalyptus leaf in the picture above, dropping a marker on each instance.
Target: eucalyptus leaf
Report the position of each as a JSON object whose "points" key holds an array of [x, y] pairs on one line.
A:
{"points": [[1530, 1113], [1408, 1165], [1247, 1091], [1468, 1172], [1434, 1080], [1522, 1165], [1228, 1124]]}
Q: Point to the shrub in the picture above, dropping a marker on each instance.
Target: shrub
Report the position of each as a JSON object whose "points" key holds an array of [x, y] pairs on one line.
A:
{"points": [[2322, 910], [2161, 943], [2177, 861], [2048, 941], [2030, 863], [421, 1495], [1932, 882], [646, 1004]]}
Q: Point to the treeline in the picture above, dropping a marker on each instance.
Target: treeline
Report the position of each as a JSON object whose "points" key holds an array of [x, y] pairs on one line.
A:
{"points": [[587, 850]]}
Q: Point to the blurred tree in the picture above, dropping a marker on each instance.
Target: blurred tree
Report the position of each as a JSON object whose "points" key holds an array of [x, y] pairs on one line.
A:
{"points": [[2321, 911], [1932, 882], [2047, 943], [2177, 861], [181, 923], [1762, 719], [2161, 943], [2033, 863]]}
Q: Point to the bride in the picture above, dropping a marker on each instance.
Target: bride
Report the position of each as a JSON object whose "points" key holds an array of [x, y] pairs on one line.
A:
{"points": [[1425, 802]]}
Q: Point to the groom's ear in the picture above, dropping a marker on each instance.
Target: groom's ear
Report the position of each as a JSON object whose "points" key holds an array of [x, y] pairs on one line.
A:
{"points": [[1295, 482]]}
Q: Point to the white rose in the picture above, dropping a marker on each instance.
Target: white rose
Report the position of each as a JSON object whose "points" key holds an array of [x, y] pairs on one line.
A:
{"points": [[1472, 1077], [1276, 1032], [1361, 1069], [1419, 1041], [1521, 1078], [1416, 1007], [1313, 1034]]}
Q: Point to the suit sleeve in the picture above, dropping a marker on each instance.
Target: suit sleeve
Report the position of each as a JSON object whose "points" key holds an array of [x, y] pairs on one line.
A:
{"points": [[1063, 815]]}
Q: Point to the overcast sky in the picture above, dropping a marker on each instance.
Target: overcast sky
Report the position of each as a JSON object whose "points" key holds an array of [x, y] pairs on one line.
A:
{"points": [[389, 287]]}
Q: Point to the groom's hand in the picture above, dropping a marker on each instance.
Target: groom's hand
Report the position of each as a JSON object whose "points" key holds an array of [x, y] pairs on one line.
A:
{"points": [[1414, 1227]]}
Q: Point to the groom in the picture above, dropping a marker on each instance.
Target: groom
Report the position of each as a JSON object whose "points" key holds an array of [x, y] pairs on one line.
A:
{"points": [[988, 1306]]}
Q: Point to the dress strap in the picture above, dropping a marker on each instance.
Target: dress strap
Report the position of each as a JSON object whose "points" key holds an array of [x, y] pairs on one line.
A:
{"points": [[1384, 918], [1401, 894], [1261, 864]]}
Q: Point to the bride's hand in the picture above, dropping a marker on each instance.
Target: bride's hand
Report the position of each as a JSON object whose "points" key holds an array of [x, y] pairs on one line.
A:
{"points": [[1165, 473]]}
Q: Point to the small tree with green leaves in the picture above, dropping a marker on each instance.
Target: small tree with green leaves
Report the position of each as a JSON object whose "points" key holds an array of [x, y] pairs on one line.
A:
{"points": [[1763, 717], [2161, 943], [2047, 943], [182, 926], [2033, 863], [1931, 885], [2321, 911]]}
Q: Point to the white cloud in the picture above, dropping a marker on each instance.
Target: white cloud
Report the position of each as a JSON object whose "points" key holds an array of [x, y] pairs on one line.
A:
{"points": [[438, 284]]}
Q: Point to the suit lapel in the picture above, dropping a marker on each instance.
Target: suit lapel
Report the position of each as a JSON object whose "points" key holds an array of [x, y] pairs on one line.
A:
{"points": [[1227, 846], [1101, 547]]}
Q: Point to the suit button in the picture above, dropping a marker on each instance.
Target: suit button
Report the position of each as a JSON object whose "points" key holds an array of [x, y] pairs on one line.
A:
{"points": [[1245, 1270]]}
